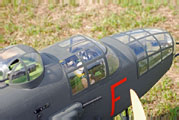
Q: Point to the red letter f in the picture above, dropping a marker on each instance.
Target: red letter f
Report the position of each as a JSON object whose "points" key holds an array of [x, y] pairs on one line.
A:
{"points": [[113, 94]]}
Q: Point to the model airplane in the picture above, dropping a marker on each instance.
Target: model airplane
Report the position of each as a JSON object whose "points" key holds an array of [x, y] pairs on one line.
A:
{"points": [[80, 78]]}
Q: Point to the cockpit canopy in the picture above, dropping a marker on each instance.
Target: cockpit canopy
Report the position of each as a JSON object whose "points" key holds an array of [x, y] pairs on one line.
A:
{"points": [[20, 64], [79, 49]]}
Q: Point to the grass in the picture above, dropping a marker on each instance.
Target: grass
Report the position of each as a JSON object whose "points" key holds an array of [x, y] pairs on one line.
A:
{"points": [[27, 22], [132, 17], [41, 25], [166, 100]]}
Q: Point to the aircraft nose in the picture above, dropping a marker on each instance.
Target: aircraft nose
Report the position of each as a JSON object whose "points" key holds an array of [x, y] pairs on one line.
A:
{"points": [[150, 46]]}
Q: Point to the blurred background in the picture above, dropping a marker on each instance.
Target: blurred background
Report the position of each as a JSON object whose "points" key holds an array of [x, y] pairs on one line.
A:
{"points": [[40, 23]]}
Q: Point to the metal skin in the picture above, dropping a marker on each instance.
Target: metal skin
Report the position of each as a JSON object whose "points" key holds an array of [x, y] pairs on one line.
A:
{"points": [[52, 99]]}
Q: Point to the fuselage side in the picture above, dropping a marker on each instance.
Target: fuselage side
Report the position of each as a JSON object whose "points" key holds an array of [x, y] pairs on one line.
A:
{"points": [[57, 90]]}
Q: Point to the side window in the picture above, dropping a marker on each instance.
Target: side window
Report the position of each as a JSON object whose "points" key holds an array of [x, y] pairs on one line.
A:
{"points": [[140, 54], [96, 71], [142, 64], [154, 60], [99, 44], [78, 80], [80, 46], [77, 39], [138, 35], [123, 38], [164, 40], [134, 31], [153, 31], [138, 50], [150, 44], [113, 62], [169, 39], [72, 41], [166, 52]]}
